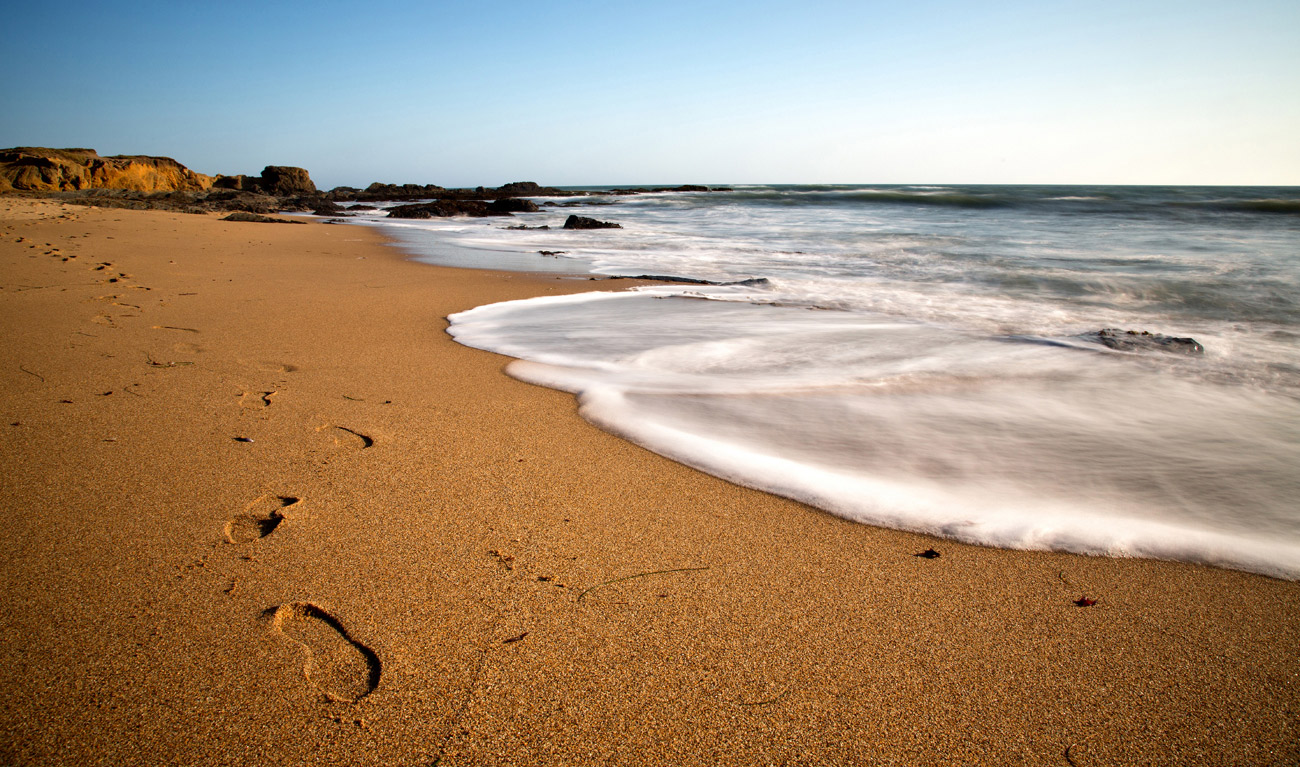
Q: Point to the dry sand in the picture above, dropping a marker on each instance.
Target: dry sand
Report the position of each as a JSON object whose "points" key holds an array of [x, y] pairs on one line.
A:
{"points": [[403, 564]]}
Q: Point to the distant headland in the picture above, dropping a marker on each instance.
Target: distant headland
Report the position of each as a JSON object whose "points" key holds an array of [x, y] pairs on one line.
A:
{"points": [[82, 176]]}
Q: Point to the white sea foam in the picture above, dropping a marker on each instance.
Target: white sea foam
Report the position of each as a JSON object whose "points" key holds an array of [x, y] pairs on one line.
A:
{"points": [[924, 364], [1020, 443]]}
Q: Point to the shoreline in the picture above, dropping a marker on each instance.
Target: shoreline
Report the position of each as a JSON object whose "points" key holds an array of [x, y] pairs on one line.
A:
{"points": [[481, 576]]}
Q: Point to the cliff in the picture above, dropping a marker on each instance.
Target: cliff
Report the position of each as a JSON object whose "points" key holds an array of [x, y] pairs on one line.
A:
{"points": [[38, 169]]}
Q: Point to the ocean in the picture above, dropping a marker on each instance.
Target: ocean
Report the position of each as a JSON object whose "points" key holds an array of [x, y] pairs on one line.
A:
{"points": [[930, 358]]}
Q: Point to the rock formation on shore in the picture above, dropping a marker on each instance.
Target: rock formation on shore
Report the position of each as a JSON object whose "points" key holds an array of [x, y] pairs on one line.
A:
{"points": [[378, 191], [445, 208], [81, 176], [38, 169], [276, 180]]}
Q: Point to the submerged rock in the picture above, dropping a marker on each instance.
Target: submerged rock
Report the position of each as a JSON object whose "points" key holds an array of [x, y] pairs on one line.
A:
{"points": [[1134, 340], [582, 222]]}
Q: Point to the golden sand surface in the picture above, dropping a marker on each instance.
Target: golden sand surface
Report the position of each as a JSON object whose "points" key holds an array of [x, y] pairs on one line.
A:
{"points": [[258, 508]]}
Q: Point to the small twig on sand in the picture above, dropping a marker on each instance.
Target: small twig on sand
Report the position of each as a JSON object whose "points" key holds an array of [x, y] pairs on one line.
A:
{"points": [[638, 575], [30, 373]]}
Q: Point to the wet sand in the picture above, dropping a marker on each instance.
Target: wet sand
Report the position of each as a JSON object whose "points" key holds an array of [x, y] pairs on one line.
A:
{"points": [[258, 508]]}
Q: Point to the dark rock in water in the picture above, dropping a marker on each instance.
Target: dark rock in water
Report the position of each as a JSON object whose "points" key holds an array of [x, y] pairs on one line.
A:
{"points": [[1133, 340], [522, 189], [414, 211], [378, 191], [513, 205], [582, 222], [528, 228], [445, 209], [751, 282], [241, 215], [361, 207], [552, 252]]}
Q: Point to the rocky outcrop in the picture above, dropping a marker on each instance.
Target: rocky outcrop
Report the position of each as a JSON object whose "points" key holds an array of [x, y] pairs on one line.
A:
{"points": [[255, 218], [444, 209], [582, 222], [530, 189], [284, 181], [378, 191], [276, 180], [38, 169], [453, 207], [515, 189], [513, 205], [1133, 340], [326, 207]]}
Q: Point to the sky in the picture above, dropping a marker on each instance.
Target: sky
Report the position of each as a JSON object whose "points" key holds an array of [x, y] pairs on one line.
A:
{"points": [[570, 93]]}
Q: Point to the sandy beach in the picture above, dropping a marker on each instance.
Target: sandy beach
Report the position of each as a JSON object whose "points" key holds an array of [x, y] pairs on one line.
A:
{"points": [[258, 508]]}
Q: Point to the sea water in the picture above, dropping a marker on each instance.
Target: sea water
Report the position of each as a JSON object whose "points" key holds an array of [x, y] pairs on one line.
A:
{"points": [[926, 357]]}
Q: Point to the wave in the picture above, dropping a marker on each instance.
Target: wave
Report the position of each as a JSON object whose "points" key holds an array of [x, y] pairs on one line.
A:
{"points": [[953, 199], [831, 196], [1267, 206], [1071, 200]]}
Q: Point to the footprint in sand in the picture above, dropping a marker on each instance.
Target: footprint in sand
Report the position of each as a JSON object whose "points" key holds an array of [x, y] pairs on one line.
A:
{"points": [[342, 668], [260, 518], [346, 438], [256, 400]]}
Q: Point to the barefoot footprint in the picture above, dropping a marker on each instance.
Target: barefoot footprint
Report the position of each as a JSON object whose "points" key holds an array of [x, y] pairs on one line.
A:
{"points": [[347, 438], [256, 400], [260, 518], [342, 668]]}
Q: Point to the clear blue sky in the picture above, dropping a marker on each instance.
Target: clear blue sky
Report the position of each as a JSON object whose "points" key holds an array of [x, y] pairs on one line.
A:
{"points": [[466, 93]]}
